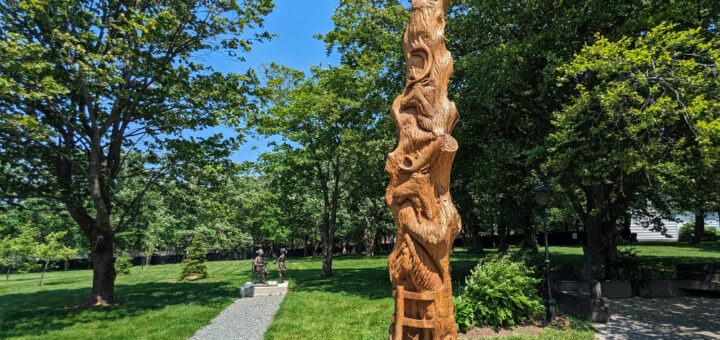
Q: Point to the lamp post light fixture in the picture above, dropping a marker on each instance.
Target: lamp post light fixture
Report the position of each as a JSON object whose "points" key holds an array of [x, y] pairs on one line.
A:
{"points": [[542, 197]]}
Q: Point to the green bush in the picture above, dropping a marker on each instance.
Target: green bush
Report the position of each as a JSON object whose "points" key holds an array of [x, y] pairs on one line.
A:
{"points": [[123, 264], [194, 268], [501, 292], [687, 231], [464, 313]]}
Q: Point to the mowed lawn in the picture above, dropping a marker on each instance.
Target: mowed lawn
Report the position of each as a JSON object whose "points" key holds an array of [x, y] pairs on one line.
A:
{"points": [[353, 304], [649, 254], [154, 305]]}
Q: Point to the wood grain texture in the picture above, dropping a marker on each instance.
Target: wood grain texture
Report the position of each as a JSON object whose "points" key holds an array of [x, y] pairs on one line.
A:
{"points": [[419, 170]]}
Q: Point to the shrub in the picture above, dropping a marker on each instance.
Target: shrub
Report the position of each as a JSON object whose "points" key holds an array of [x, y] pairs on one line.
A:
{"points": [[194, 268], [626, 263], [123, 264], [687, 231], [464, 313], [501, 293]]}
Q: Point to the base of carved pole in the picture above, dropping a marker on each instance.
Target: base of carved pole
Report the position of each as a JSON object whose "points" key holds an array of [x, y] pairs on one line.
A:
{"points": [[426, 327]]}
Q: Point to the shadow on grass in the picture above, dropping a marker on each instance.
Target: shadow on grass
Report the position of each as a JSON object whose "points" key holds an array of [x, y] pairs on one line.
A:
{"points": [[41, 312], [368, 282]]}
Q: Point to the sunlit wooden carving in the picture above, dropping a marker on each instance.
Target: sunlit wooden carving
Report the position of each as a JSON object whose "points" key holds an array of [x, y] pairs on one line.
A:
{"points": [[418, 193]]}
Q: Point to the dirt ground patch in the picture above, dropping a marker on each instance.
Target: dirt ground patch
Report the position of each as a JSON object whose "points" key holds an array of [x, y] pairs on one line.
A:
{"points": [[489, 332], [534, 329]]}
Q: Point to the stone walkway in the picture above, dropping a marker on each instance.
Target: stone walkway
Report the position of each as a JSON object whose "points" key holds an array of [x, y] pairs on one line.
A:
{"points": [[662, 318], [246, 319]]}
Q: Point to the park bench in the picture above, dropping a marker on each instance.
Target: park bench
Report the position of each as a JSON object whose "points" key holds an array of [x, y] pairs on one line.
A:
{"points": [[699, 277]]}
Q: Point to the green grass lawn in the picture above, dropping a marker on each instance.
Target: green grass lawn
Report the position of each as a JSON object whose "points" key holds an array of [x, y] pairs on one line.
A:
{"points": [[661, 257], [353, 304], [155, 306]]}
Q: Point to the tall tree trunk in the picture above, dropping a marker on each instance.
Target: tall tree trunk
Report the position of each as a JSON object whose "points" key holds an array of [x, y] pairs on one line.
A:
{"points": [[103, 289], [600, 246], [369, 239], [503, 246], [600, 221], [699, 229], [626, 232], [529, 242], [315, 240], [327, 239]]}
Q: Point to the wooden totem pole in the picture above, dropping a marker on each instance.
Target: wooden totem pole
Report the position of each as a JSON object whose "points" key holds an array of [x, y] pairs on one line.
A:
{"points": [[418, 193]]}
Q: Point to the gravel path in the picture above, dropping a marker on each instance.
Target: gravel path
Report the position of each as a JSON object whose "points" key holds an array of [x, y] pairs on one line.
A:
{"points": [[662, 318], [245, 319]]}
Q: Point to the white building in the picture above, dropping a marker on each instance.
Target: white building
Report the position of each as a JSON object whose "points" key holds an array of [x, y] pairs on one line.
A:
{"points": [[673, 228]]}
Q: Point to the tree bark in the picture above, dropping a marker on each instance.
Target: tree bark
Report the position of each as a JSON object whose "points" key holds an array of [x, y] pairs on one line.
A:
{"points": [[327, 236], [529, 242], [503, 245], [699, 228], [605, 203], [626, 232], [103, 289], [42, 277], [369, 242]]}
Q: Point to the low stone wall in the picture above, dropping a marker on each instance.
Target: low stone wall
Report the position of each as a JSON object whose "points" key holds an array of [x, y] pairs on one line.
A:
{"points": [[583, 305]]}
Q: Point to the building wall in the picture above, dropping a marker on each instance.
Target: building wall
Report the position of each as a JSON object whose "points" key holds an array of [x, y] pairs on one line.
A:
{"points": [[673, 228]]}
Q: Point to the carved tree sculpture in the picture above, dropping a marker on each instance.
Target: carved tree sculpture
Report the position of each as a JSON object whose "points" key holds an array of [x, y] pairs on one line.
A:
{"points": [[418, 193]]}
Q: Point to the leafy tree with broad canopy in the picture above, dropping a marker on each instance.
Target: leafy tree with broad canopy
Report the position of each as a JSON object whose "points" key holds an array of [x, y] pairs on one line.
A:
{"points": [[85, 83], [635, 122]]}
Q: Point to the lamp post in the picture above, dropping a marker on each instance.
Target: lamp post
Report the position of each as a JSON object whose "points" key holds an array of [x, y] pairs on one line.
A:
{"points": [[542, 197]]}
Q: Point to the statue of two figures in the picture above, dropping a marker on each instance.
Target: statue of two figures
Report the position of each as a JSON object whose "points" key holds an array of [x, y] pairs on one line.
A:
{"points": [[260, 266]]}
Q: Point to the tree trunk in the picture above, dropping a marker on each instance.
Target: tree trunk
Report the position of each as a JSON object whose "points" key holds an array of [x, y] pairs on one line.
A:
{"points": [[47, 262], [600, 247], [103, 289], [503, 234], [369, 242], [327, 241], [529, 242], [626, 232], [148, 256], [699, 229], [600, 221]]}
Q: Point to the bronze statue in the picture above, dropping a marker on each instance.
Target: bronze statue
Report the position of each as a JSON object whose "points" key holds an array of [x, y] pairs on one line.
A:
{"points": [[281, 265], [259, 266], [418, 193]]}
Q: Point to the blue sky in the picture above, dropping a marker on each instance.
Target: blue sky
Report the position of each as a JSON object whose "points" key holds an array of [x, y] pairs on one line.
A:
{"points": [[295, 22]]}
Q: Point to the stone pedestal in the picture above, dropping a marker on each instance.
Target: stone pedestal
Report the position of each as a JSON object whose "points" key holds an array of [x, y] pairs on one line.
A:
{"points": [[271, 288]]}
